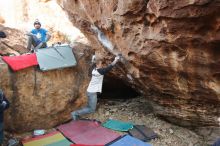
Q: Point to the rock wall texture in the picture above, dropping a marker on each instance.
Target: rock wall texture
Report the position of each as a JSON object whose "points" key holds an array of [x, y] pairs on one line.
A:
{"points": [[171, 51], [42, 99], [14, 43]]}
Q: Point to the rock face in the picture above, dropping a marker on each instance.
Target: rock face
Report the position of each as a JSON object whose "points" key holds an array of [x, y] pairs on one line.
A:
{"points": [[14, 43], [43, 99], [171, 51]]}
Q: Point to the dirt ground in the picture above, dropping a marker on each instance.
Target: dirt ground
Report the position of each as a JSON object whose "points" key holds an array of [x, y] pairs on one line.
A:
{"points": [[135, 111]]}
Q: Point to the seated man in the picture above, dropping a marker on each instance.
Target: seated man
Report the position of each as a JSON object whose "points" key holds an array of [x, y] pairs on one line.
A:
{"points": [[38, 37]]}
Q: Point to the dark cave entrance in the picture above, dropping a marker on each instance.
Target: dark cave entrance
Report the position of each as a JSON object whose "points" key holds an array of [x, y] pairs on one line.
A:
{"points": [[120, 95], [116, 89]]}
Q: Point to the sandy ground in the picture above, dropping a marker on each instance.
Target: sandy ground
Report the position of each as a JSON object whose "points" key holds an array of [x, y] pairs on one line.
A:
{"points": [[135, 111]]}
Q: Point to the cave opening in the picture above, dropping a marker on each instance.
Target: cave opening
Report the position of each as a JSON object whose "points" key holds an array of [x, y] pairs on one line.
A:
{"points": [[116, 89]]}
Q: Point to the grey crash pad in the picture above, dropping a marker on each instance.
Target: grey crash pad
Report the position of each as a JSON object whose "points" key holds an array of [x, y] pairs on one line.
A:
{"points": [[55, 57]]}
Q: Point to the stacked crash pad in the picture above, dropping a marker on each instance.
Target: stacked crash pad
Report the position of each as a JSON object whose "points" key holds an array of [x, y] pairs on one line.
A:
{"points": [[47, 58]]}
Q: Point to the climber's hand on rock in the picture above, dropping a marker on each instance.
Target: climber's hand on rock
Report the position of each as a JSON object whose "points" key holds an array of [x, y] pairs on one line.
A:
{"points": [[115, 60], [93, 58]]}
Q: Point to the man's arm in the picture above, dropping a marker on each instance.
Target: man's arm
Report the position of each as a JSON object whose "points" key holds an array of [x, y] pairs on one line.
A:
{"points": [[48, 36], [105, 70], [92, 66]]}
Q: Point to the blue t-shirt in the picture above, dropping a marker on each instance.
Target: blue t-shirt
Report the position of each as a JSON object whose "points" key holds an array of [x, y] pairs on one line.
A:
{"points": [[40, 34]]}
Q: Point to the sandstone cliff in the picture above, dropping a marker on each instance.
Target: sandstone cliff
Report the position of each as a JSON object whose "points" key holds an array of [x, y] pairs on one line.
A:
{"points": [[171, 50], [171, 56]]}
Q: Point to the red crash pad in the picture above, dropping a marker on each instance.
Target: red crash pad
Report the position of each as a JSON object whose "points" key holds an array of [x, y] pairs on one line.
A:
{"points": [[20, 62], [88, 133]]}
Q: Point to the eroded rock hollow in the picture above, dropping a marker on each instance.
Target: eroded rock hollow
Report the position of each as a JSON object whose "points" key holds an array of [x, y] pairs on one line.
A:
{"points": [[171, 50]]}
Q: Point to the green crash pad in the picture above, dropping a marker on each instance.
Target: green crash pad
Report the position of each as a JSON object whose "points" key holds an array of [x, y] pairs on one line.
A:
{"points": [[55, 57], [60, 143], [117, 125]]}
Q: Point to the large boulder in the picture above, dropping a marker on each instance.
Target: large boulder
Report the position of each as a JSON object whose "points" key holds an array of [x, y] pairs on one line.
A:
{"points": [[43, 99], [171, 51]]}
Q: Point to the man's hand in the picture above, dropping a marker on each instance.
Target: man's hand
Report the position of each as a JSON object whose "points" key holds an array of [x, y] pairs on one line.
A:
{"points": [[4, 103], [93, 58], [48, 36], [115, 60]]}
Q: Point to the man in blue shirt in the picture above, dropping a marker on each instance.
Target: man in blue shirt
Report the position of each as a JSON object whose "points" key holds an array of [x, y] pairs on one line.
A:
{"points": [[38, 37]]}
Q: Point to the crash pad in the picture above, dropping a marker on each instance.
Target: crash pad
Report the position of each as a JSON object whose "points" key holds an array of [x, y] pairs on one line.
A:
{"points": [[21, 62], [117, 125], [128, 140], [64, 142], [84, 145], [87, 132], [142, 132], [51, 139], [55, 57]]}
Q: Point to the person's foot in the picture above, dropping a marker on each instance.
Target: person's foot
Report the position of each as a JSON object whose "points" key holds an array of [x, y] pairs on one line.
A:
{"points": [[74, 116]]}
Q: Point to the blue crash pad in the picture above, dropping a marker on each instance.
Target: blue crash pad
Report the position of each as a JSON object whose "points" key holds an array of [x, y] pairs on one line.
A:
{"points": [[128, 140], [55, 57]]}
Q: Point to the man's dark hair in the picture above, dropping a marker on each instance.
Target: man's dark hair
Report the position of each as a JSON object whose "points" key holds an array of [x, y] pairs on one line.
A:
{"points": [[2, 34]]}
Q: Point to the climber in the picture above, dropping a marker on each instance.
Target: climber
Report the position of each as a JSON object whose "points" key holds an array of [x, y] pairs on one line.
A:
{"points": [[38, 37], [4, 104], [95, 85]]}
